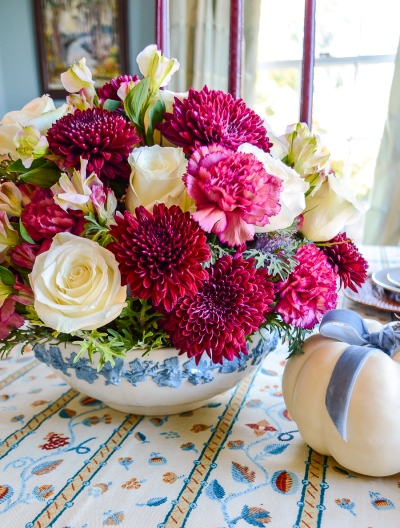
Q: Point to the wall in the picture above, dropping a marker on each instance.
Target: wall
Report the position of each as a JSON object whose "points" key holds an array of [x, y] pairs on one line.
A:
{"points": [[19, 71]]}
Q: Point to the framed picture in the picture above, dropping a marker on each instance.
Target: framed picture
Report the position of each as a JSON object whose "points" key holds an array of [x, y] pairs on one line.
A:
{"points": [[68, 30]]}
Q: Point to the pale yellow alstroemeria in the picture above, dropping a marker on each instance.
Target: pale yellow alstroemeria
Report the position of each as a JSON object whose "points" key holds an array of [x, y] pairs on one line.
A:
{"points": [[30, 144], [156, 66], [9, 237], [10, 199]]}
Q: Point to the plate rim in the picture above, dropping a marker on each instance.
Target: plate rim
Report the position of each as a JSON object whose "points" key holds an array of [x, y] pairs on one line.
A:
{"points": [[392, 281], [384, 285]]}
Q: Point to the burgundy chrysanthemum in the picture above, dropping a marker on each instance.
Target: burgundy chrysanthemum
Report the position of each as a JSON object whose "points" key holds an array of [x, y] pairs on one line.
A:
{"points": [[99, 136], [212, 116], [346, 261], [230, 305], [232, 191], [109, 90], [43, 218], [160, 254], [309, 291]]}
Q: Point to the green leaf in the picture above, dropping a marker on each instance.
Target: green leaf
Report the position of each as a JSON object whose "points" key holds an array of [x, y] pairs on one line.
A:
{"points": [[24, 233], [156, 114], [111, 105], [17, 166], [44, 176], [6, 276], [135, 100]]}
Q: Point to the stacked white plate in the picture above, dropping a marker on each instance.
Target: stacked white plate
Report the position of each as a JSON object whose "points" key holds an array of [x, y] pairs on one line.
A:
{"points": [[388, 278]]}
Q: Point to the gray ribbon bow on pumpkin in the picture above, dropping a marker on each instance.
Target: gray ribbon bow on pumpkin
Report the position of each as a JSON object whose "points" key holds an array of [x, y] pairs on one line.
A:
{"points": [[349, 327]]}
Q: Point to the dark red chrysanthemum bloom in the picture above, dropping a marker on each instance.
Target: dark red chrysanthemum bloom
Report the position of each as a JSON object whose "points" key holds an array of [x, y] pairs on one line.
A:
{"points": [[346, 261], [43, 218], [212, 116], [160, 254], [230, 305], [109, 90], [99, 136], [309, 291]]}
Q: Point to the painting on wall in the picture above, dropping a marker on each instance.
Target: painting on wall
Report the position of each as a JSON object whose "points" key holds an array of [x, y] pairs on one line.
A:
{"points": [[68, 30]]}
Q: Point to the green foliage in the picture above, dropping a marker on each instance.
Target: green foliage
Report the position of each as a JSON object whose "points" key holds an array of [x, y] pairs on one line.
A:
{"points": [[276, 264], [156, 114], [45, 176], [135, 104], [96, 231], [42, 172], [6, 276], [294, 336], [138, 323], [111, 105], [30, 335], [24, 233], [217, 252]]}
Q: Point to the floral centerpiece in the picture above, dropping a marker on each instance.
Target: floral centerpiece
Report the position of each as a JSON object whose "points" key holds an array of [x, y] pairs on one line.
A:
{"points": [[135, 218]]}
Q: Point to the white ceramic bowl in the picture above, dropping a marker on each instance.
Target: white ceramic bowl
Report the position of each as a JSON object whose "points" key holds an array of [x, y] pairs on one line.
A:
{"points": [[161, 383]]}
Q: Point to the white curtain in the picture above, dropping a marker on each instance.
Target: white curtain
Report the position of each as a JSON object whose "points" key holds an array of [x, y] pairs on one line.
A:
{"points": [[382, 224], [200, 41]]}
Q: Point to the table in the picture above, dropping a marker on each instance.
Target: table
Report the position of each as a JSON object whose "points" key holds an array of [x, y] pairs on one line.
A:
{"points": [[68, 461]]}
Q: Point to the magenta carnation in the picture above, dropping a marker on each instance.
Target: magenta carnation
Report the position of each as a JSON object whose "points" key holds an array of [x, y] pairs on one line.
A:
{"points": [[97, 135], [230, 305], [232, 191], [24, 255], [110, 89], [43, 218], [347, 262], [211, 116], [309, 291], [160, 255], [9, 318]]}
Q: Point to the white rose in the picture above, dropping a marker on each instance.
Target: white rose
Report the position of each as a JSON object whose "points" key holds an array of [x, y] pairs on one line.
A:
{"points": [[331, 208], [156, 177], [40, 113], [77, 285], [292, 198]]}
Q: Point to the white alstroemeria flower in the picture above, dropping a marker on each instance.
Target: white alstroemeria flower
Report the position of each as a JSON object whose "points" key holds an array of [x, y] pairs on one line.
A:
{"points": [[292, 198], [331, 208], [154, 65]]}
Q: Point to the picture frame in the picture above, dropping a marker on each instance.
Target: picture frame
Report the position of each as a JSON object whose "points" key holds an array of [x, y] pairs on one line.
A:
{"points": [[67, 30]]}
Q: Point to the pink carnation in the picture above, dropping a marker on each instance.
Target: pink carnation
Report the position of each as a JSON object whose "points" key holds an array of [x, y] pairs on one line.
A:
{"points": [[232, 191], [9, 319], [309, 291]]}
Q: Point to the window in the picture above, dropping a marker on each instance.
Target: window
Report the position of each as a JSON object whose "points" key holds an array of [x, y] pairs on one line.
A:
{"points": [[356, 43]]}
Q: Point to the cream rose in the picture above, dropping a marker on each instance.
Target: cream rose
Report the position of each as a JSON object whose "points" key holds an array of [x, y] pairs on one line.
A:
{"points": [[292, 198], [77, 285], [157, 178], [331, 208]]}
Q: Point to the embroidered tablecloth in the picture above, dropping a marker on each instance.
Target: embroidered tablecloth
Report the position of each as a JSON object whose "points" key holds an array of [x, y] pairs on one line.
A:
{"points": [[67, 460]]}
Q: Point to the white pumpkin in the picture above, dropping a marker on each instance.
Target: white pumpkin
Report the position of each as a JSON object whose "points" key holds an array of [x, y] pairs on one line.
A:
{"points": [[373, 424]]}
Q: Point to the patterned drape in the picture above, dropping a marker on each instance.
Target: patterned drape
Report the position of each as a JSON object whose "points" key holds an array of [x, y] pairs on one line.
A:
{"points": [[200, 40], [382, 224]]}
